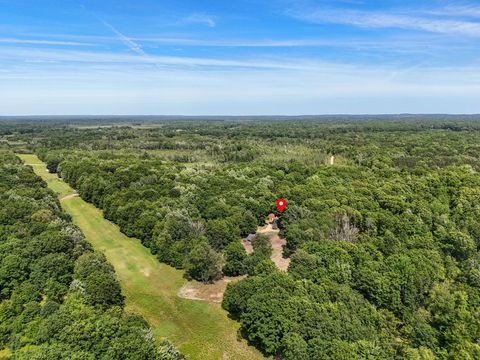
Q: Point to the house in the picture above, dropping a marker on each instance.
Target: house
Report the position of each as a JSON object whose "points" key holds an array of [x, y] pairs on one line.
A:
{"points": [[271, 218]]}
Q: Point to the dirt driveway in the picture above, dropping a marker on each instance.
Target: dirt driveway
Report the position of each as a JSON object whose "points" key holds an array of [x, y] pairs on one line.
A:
{"points": [[213, 293], [277, 246]]}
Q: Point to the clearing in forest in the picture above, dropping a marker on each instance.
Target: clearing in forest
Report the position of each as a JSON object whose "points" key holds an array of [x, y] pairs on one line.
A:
{"points": [[214, 292], [277, 246], [201, 330]]}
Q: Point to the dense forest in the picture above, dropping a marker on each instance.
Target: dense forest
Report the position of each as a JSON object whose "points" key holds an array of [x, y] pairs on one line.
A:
{"points": [[382, 227], [58, 298]]}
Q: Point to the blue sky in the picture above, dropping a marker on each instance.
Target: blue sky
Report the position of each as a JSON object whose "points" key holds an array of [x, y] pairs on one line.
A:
{"points": [[239, 57]]}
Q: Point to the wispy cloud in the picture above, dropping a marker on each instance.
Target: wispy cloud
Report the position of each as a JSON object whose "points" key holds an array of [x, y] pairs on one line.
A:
{"points": [[132, 45], [396, 44], [199, 19], [127, 41], [376, 19], [213, 42], [331, 88], [469, 11], [43, 42], [71, 56]]}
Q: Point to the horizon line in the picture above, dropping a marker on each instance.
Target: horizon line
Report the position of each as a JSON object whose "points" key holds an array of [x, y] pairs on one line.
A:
{"points": [[239, 116]]}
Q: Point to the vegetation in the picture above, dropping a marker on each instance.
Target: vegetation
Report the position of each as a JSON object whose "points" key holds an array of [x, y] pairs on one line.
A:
{"points": [[384, 242], [199, 329], [235, 259], [204, 263], [58, 299]]}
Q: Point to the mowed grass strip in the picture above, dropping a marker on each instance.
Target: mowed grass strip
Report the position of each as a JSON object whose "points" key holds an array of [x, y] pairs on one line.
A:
{"points": [[52, 180], [201, 330]]}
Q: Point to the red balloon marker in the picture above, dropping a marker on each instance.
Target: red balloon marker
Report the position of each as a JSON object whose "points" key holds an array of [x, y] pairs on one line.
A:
{"points": [[281, 203]]}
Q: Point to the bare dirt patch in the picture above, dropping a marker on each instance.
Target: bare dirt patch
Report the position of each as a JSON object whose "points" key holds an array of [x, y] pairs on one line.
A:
{"points": [[277, 255], [213, 293], [145, 271], [277, 246], [248, 246]]}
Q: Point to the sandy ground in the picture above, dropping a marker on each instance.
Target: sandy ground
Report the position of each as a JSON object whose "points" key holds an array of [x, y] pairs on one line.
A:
{"points": [[248, 246], [213, 293], [277, 246]]}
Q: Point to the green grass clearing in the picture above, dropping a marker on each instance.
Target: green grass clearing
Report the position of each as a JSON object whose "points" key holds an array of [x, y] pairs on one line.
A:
{"points": [[52, 180], [201, 330]]}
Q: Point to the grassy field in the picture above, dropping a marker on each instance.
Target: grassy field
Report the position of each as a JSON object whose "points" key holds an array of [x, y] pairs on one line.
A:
{"points": [[54, 183], [201, 330]]}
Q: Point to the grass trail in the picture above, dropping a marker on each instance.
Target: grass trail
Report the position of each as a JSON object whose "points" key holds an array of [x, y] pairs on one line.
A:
{"points": [[201, 330]]}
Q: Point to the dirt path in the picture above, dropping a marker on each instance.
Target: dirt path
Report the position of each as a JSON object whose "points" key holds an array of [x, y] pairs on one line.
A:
{"points": [[247, 245], [68, 197], [277, 246]]}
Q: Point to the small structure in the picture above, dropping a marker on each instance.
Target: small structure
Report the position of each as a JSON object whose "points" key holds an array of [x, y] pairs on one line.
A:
{"points": [[250, 237], [274, 224], [271, 218]]}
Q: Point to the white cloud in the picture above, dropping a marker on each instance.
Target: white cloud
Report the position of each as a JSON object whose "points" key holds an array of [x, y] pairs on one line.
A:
{"points": [[334, 88], [400, 43], [286, 86], [75, 56], [200, 19], [213, 42], [132, 45], [375, 19], [43, 42], [472, 11]]}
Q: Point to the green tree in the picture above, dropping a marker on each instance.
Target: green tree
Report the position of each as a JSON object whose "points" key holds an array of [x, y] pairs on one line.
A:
{"points": [[295, 347], [203, 263], [221, 232], [176, 235], [235, 259], [246, 222], [53, 161]]}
